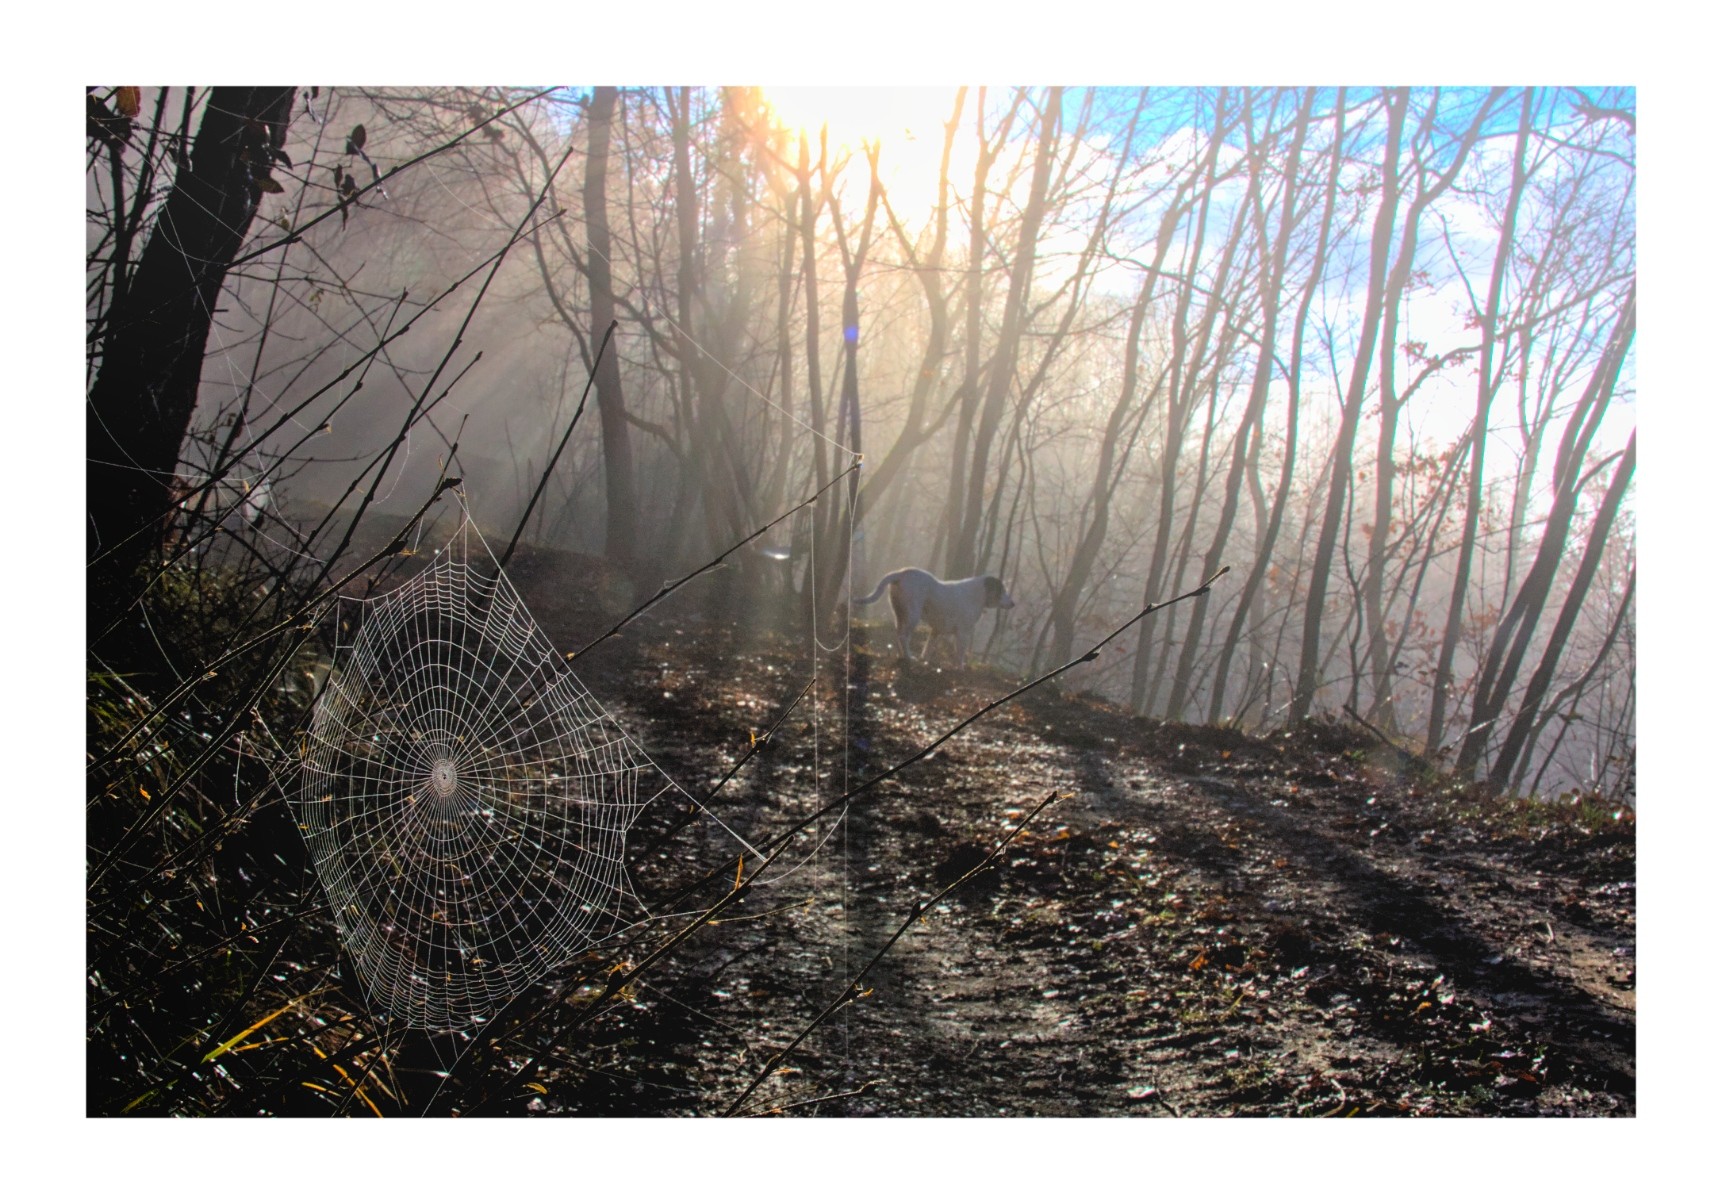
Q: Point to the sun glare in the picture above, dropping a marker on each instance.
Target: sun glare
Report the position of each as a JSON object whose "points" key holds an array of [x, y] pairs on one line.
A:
{"points": [[907, 123]]}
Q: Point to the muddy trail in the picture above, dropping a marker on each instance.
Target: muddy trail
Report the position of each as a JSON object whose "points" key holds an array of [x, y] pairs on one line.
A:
{"points": [[1202, 923]]}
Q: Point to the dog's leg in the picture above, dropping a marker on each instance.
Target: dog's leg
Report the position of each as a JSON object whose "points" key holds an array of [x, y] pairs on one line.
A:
{"points": [[905, 636], [908, 620]]}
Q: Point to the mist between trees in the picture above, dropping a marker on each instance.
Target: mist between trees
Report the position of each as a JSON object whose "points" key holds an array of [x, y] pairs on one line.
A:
{"points": [[1372, 348]]}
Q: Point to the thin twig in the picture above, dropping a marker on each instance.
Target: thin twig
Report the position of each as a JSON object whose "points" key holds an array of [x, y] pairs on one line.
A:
{"points": [[775, 1109], [549, 468], [376, 185]]}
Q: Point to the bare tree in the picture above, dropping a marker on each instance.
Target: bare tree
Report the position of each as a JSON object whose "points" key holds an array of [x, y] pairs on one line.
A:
{"points": [[1537, 688], [1182, 390], [1487, 384], [1267, 543], [1271, 268], [154, 330], [974, 367], [1513, 635], [1428, 183], [1339, 480], [620, 518], [918, 426], [1002, 369]]}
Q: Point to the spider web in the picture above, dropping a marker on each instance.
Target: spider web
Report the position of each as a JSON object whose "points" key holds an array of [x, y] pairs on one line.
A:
{"points": [[464, 797]]}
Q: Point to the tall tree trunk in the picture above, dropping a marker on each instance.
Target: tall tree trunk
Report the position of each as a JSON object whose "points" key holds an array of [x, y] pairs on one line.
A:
{"points": [[1486, 387], [836, 547], [956, 496], [1267, 543], [1002, 373], [1339, 481], [619, 522], [145, 391], [808, 208], [1538, 687], [1270, 279], [1393, 402], [692, 499], [1571, 693], [1513, 634], [776, 487], [1181, 393], [1106, 468], [708, 329], [931, 272], [1199, 481]]}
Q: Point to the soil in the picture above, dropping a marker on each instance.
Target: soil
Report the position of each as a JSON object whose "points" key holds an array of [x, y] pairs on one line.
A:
{"points": [[1203, 922]]}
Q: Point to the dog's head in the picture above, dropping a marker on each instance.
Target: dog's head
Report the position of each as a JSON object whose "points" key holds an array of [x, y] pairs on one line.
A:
{"points": [[996, 595]]}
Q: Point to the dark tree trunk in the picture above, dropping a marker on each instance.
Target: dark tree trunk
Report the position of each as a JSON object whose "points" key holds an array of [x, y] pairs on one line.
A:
{"points": [[1487, 383], [808, 210], [1559, 706], [1182, 372], [1249, 593], [1271, 273], [836, 565], [1393, 402], [1087, 553], [931, 272], [619, 522], [962, 554], [970, 393], [1538, 688], [1339, 483], [1512, 636], [141, 402]]}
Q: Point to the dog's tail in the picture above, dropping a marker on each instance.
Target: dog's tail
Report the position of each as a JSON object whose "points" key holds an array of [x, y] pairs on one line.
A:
{"points": [[884, 584]]}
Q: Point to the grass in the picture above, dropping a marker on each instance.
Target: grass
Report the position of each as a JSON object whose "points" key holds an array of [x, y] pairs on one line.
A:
{"points": [[1534, 818], [195, 871]]}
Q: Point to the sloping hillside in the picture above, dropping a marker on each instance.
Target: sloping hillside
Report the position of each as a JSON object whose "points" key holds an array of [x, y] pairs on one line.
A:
{"points": [[1203, 923], [1062, 910]]}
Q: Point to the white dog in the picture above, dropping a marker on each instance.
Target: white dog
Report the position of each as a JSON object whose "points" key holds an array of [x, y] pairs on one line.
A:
{"points": [[949, 607]]}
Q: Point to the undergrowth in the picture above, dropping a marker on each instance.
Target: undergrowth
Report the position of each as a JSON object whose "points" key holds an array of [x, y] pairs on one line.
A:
{"points": [[196, 882], [215, 981]]}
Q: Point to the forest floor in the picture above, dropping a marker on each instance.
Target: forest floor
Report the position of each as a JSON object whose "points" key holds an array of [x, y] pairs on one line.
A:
{"points": [[1204, 923]]}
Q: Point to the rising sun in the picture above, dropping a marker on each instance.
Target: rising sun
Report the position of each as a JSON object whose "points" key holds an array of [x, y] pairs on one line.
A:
{"points": [[908, 124]]}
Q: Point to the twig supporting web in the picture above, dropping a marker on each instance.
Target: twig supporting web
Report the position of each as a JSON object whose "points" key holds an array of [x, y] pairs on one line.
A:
{"points": [[464, 797]]}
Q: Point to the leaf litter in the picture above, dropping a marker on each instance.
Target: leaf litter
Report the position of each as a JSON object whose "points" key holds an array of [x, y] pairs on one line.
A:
{"points": [[1210, 924]]}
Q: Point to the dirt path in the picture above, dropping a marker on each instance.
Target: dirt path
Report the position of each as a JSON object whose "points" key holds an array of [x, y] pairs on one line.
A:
{"points": [[1208, 925]]}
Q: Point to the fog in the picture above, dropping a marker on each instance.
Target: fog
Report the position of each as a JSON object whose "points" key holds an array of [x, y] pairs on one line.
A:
{"points": [[1125, 338]]}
